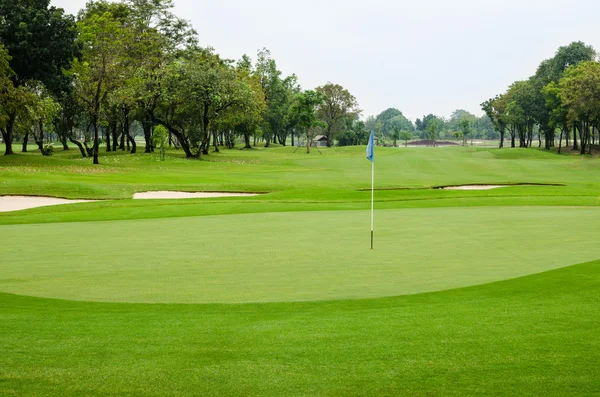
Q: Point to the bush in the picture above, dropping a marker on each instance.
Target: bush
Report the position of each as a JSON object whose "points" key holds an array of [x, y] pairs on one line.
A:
{"points": [[48, 150]]}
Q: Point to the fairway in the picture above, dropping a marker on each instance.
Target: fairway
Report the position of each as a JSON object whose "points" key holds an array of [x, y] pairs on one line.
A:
{"points": [[466, 292], [295, 256], [181, 220]]}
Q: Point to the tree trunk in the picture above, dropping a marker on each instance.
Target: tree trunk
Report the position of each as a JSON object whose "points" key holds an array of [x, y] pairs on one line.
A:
{"points": [[583, 137], [63, 140], [215, 141], [108, 145], [115, 135], [247, 141], [560, 141], [7, 133], [79, 145], [502, 139], [25, 141], [575, 145], [307, 141], [39, 140], [292, 138], [122, 144], [183, 142], [147, 126], [130, 139], [96, 140]]}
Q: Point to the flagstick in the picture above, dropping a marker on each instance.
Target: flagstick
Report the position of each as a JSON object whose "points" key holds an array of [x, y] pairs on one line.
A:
{"points": [[372, 201]]}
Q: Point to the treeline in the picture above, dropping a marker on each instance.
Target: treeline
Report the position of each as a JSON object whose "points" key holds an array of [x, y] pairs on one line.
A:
{"points": [[121, 66], [391, 126], [560, 102]]}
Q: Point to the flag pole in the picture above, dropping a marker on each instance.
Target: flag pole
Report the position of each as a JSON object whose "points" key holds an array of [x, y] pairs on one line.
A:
{"points": [[372, 202], [371, 158]]}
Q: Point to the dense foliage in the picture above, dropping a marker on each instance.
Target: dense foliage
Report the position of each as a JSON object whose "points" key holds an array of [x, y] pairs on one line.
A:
{"points": [[120, 68], [560, 100]]}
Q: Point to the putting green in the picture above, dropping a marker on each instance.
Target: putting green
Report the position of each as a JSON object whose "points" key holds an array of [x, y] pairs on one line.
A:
{"points": [[292, 256]]}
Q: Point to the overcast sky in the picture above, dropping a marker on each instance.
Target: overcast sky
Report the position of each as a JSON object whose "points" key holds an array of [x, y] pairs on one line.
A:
{"points": [[420, 56]]}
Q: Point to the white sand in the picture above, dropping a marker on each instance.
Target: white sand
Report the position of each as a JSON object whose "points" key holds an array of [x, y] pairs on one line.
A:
{"points": [[185, 195], [16, 203], [475, 187]]}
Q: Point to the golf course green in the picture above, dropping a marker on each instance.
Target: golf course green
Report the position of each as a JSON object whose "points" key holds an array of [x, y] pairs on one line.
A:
{"points": [[474, 292]]}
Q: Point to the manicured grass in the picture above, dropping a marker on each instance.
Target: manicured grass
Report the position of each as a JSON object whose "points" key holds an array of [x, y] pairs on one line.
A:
{"points": [[535, 336], [306, 240], [276, 257], [338, 173]]}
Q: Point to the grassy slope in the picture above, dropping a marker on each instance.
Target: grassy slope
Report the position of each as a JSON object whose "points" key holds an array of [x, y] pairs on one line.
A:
{"points": [[533, 336]]}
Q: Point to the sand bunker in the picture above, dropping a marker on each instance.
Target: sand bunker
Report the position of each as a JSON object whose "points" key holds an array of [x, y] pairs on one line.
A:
{"points": [[186, 195], [474, 187], [16, 203]]}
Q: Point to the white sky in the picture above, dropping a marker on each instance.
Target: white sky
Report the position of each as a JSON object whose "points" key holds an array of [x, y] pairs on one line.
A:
{"points": [[420, 56]]}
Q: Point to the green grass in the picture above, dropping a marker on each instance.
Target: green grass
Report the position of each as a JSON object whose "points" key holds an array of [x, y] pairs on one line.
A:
{"points": [[293, 256], [535, 336], [336, 318]]}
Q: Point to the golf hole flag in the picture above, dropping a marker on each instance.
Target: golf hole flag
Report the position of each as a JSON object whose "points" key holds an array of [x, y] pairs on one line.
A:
{"points": [[371, 158], [371, 148]]}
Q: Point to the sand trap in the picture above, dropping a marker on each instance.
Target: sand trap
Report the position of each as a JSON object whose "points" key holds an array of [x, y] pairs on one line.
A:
{"points": [[16, 203], [474, 187], [186, 195]]}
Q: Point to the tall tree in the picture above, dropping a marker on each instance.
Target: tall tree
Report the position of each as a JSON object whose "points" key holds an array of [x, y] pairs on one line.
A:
{"points": [[41, 40], [580, 94], [338, 105], [305, 110], [99, 71], [279, 94], [495, 109]]}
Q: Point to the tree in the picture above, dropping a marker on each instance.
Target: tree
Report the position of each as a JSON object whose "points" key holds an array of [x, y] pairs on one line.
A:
{"points": [[580, 94], [7, 97], [391, 118], [495, 109], [406, 136], [396, 135], [160, 38], [42, 109], [197, 91], [338, 105], [160, 139], [99, 71], [465, 124], [558, 116], [434, 125], [41, 41], [246, 116], [305, 110]]}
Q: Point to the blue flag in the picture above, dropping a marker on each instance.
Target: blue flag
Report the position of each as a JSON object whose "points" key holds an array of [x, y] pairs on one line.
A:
{"points": [[371, 148]]}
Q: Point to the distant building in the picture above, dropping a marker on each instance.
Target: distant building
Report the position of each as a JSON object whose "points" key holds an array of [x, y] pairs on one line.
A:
{"points": [[320, 140]]}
